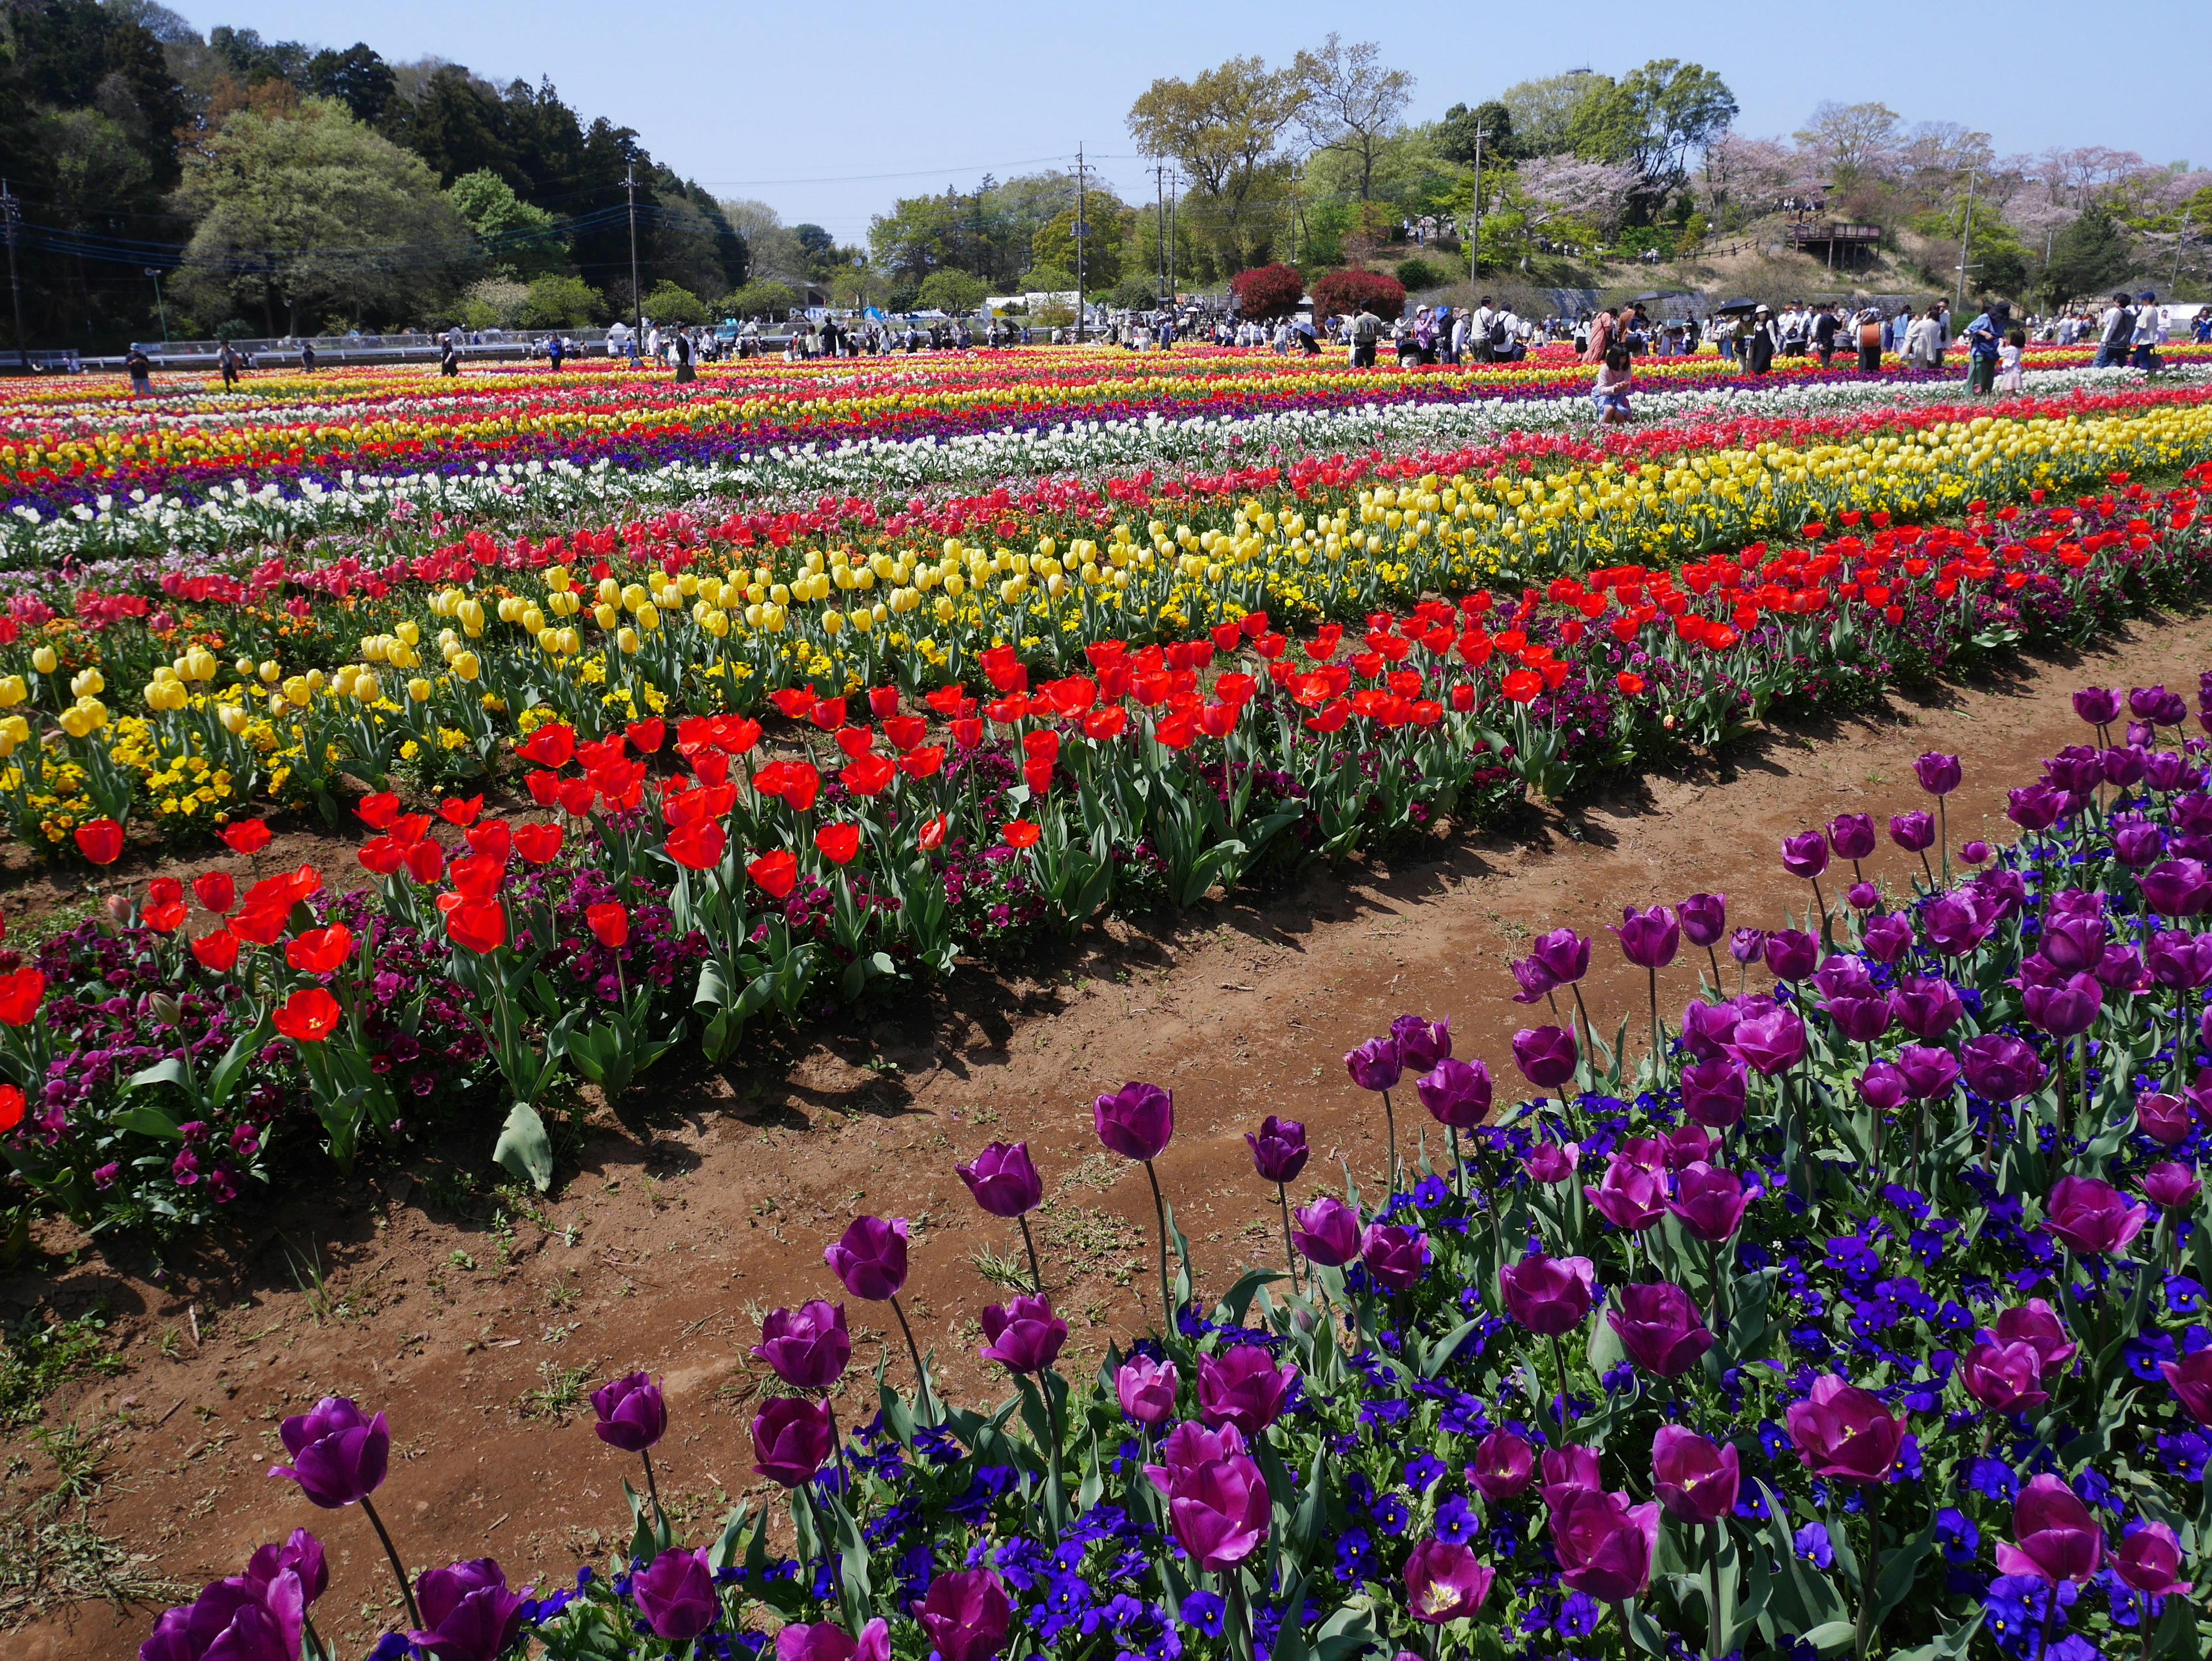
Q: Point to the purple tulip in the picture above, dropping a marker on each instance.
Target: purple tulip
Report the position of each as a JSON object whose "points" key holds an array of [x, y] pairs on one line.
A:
{"points": [[337, 1457], [2059, 1540], [1444, 1583], [1564, 953], [808, 1348], [2033, 807], [1244, 1387], [825, 1640], [1747, 945], [2171, 1186], [2165, 1119], [1421, 1043], [1686, 1145], [631, 1415], [2097, 705], [1661, 1328], [967, 1615], [1551, 1162], [1649, 938], [1852, 836], [1455, 1092], [1024, 1336], [1534, 980], [1147, 1390], [2036, 1324], [1504, 1466], [1546, 1056], [2148, 1559], [1770, 1043], [1930, 1074], [2179, 961], [1627, 1195], [1975, 853], [1805, 855], [2138, 845], [1915, 832], [2076, 771], [1791, 953], [301, 1554], [1710, 1202], [1859, 1020], [1713, 1093], [468, 1613], [1707, 1028], [1927, 1008], [2121, 970], [1003, 1180], [2169, 772], [1938, 773], [1881, 1087], [1279, 1151], [2005, 1378], [2156, 705], [1705, 919], [1135, 1122], [1955, 923], [1217, 1502], [2176, 888], [2001, 1068], [1568, 1470], [1845, 1433], [1326, 1233], [1862, 897], [792, 1439], [676, 1595], [2073, 938], [1886, 938], [1394, 1256], [2124, 766], [2191, 1380], [1695, 1480], [1605, 1545], [236, 1619], [2090, 1216], [1844, 976], [1548, 1295], [870, 1258]]}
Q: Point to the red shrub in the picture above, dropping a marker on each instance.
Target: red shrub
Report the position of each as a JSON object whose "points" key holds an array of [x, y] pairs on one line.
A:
{"points": [[1267, 292], [1346, 293]]}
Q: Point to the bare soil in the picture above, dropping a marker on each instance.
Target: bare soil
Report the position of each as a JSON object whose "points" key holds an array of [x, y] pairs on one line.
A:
{"points": [[477, 1324]]}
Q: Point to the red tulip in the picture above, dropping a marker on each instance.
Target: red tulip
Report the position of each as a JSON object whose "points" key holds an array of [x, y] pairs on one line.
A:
{"points": [[777, 873], [839, 842], [477, 925], [308, 1016], [247, 836], [609, 925], [537, 843], [1020, 833], [697, 846], [100, 840], [320, 950], [11, 1108], [217, 952], [216, 891], [21, 995]]}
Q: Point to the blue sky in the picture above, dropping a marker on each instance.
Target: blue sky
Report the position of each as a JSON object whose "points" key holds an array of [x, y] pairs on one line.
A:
{"points": [[827, 113]]}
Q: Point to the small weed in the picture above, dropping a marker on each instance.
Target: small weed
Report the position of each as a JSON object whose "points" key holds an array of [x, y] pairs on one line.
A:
{"points": [[48, 1564], [38, 1357], [462, 1260], [77, 1467], [1010, 1272], [1099, 1170], [557, 1396]]}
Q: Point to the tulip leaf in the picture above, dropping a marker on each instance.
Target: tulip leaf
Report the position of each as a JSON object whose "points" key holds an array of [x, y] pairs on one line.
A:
{"points": [[236, 1060], [1901, 1568], [1233, 1309], [1643, 1630], [1440, 1356], [1829, 1636], [1349, 1632], [170, 1070], [1952, 1642], [523, 1150], [1291, 1641], [724, 1552], [149, 1121]]}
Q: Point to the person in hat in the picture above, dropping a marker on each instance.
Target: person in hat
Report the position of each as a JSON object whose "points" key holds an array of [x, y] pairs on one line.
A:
{"points": [[1758, 348]]}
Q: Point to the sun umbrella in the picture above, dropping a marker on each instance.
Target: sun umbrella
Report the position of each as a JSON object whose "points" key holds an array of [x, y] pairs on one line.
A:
{"points": [[1736, 305]]}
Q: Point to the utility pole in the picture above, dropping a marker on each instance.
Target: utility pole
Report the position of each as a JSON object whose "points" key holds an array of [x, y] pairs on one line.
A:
{"points": [[1475, 227], [155, 271], [10, 211], [1172, 185], [1965, 242], [1160, 223], [636, 295], [2181, 237], [1079, 229]]}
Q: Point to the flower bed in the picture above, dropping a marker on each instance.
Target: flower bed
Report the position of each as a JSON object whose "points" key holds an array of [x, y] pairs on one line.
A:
{"points": [[872, 840], [1856, 1314]]}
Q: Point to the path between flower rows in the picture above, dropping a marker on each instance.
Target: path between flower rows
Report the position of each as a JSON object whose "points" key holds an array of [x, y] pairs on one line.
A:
{"points": [[710, 1205]]}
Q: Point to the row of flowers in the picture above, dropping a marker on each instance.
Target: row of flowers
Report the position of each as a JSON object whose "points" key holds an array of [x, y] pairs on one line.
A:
{"points": [[873, 840], [1857, 1313], [573, 463], [247, 694]]}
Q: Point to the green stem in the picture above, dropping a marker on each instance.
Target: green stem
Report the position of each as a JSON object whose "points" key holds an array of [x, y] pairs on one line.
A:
{"points": [[921, 1377], [1390, 1121], [1160, 1215], [1713, 1634], [1869, 1567], [652, 1489], [1560, 1366], [1290, 1251], [399, 1573], [1037, 1273]]}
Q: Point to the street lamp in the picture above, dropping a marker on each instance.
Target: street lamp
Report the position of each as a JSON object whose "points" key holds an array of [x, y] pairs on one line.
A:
{"points": [[155, 271]]}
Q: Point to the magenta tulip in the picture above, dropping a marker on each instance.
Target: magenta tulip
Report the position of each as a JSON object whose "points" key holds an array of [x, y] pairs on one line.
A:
{"points": [[1136, 1121], [870, 1258], [1022, 1335], [808, 1348], [1845, 1433], [1661, 1328], [1548, 1295], [2148, 1559], [1147, 1390], [1326, 1233], [1443, 1582], [630, 1413], [1695, 1480], [792, 1439], [1503, 1465], [1244, 1387], [1003, 1180], [2058, 1539], [1605, 1545], [2091, 1216], [1710, 1202], [967, 1615]]}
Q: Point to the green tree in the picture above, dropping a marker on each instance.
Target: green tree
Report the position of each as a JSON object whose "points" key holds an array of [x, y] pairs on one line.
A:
{"points": [[1347, 102], [1103, 242], [518, 238], [1544, 111], [1653, 120], [1135, 294], [1047, 279], [2088, 257], [556, 301], [1225, 127], [951, 291], [1455, 135], [285, 203], [770, 300], [669, 303], [357, 77]]}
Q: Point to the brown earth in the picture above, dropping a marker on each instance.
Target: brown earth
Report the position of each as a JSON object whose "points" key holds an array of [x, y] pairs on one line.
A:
{"points": [[474, 1323]]}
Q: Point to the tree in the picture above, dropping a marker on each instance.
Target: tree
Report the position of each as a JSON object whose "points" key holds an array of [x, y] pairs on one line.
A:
{"points": [[1267, 292], [773, 301], [955, 292], [1653, 120], [1456, 134], [1852, 144], [357, 77], [1590, 196], [561, 303], [2088, 257], [1225, 128], [1054, 242], [518, 238], [1543, 111], [1047, 279], [1347, 101], [669, 303], [1135, 294], [1347, 293], [313, 213], [495, 302]]}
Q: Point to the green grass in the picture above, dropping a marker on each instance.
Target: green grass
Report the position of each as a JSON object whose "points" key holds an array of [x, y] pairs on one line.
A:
{"points": [[48, 1563], [38, 1356]]}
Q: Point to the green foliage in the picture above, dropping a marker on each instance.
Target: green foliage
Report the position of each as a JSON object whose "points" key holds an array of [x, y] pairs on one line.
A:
{"points": [[1417, 274], [496, 303], [1047, 279], [989, 233], [1456, 134], [771, 301], [1135, 294], [1103, 242], [561, 302], [951, 291], [669, 303], [1652, 119], [37, 1356], [2088, 257], [518, 238]]}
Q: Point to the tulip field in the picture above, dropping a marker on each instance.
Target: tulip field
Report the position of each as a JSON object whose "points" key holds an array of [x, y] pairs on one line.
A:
{"points": [[1854, 1310]]}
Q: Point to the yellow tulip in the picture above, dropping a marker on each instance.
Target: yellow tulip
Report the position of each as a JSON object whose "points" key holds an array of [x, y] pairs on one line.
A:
{"points": [[44, 660]]}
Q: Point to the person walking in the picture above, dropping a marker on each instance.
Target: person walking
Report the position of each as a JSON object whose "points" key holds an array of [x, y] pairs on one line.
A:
{"points": [[2116, 334], [226, 360], [140, 369], [2149, 334], [1366, 333], [1985, 338], [1826, 324], [449, 359], [1870, 332], [1601, 331], [1758, 350]]}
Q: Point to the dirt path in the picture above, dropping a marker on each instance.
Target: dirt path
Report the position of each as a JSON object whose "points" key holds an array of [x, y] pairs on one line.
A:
{"points": [[476, 1332]]}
